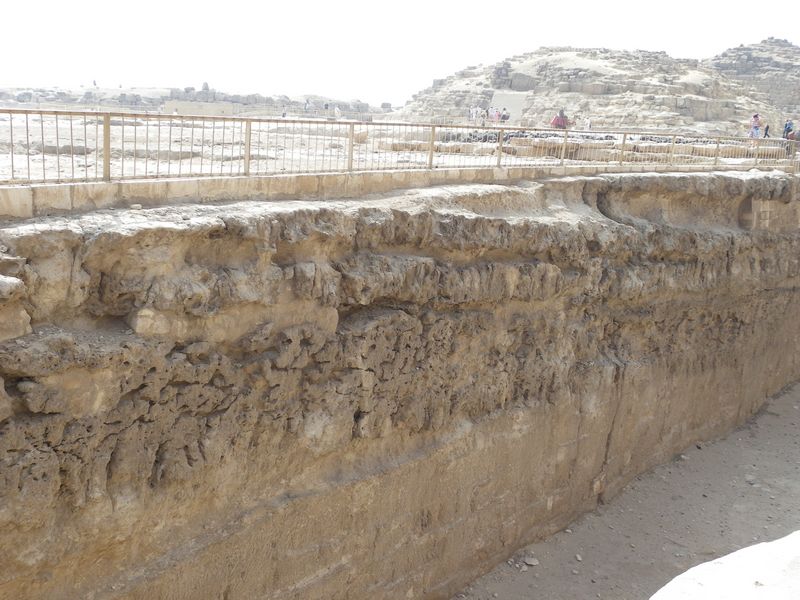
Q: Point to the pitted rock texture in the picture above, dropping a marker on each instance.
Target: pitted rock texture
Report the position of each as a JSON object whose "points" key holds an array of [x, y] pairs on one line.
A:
{"points": [[375, 398]]}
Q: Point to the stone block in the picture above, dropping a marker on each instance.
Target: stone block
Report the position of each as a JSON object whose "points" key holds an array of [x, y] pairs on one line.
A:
{"points": [[280, 186], [399, 179], [379, 182], [16, 202], [218, 188], [306, 185], [254, 187], [420, 178], [355, 184], [332, 185], [89, 196], [14, 321], [521, 82], [50, 199], [143, 192], [179, 190]]}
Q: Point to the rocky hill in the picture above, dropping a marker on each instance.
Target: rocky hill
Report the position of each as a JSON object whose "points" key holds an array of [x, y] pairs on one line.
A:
{"points": [[630, 89], [771, 67]]}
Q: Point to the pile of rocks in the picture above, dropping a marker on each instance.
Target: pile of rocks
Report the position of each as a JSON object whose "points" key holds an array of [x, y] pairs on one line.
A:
{"points": [[772, 67], [612, 89]]}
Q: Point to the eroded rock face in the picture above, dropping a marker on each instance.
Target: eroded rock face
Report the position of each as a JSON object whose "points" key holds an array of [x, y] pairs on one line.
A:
{"points": [[368, 399]]}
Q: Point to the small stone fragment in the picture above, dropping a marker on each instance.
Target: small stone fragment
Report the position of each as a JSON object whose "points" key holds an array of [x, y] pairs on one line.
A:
{"points": [[531, 561], [579, 558]]}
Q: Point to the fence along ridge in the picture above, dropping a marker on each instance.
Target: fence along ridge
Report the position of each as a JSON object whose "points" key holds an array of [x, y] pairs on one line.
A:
{"points": [[41, 146]]}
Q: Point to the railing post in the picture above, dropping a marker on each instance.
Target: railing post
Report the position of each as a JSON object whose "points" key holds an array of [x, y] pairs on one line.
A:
{"points": [[716, 154], [107, 147], [672, 151], [432, 146], [248, 130], [499, 146], [350, 140], [564, 147], [622, 149], [758, 145]]}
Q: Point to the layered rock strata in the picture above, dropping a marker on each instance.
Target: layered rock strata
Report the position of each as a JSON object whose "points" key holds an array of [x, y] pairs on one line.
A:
{"points": [[375, 398]]}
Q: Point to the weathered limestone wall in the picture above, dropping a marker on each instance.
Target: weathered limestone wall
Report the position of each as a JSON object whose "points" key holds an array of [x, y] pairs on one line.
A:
{"points": [[48, 199], [374, 398]]}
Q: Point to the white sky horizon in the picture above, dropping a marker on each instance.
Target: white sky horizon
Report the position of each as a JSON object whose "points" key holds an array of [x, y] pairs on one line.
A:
{"points": [[354, 49]]}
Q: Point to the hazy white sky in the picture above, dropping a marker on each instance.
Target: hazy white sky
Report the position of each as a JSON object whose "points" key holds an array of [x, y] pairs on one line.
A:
{"points": [[349, 49]]}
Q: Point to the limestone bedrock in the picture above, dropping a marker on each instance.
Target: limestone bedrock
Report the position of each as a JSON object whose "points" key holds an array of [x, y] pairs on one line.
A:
{"points": [[369, 398]]}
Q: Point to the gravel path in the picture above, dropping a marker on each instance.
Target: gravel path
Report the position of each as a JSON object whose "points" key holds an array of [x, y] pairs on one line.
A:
{"points": [[714, 498]]}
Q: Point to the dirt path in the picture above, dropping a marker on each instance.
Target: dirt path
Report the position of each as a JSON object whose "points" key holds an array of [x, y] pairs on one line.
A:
{"points": [[713, 499]]}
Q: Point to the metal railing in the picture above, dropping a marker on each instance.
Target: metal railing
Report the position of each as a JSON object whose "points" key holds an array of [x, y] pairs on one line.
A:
{"points": [[62, 146]]}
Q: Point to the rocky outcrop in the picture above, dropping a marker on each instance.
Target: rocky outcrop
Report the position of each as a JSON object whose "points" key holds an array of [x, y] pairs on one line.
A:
{"points": [[375, 398], [613, 89], [772, 67]]}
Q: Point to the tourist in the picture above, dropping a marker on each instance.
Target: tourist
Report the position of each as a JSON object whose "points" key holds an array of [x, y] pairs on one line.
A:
{"points": [[505, 115], [788, 127], [755, 127], [766, 129], [560, 121], [587, 123]]}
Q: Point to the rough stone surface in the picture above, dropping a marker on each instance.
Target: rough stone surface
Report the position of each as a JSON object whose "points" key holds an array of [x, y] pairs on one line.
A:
{"points": [[627, 88], [771, 67], [375, 398]]}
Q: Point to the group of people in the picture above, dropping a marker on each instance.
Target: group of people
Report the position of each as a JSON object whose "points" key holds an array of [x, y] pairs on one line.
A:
{"points": [[491, 115], [758, 125], [495, 115], [760, 128]]}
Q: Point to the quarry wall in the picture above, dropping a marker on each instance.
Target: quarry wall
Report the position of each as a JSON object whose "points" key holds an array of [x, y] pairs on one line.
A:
{"points": [[373, 398]]}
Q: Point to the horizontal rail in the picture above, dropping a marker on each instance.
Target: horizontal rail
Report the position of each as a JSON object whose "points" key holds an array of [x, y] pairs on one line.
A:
{"points": [[39, 146]]}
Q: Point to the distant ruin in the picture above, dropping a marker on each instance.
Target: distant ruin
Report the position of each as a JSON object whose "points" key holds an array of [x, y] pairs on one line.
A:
{"points": [[628, 88]]}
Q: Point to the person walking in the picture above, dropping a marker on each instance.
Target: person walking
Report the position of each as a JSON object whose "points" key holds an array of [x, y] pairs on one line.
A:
{"points": [[755, 127]]}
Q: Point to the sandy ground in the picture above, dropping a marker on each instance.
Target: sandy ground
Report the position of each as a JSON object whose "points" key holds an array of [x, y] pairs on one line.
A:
{"points": [[713, 499]]}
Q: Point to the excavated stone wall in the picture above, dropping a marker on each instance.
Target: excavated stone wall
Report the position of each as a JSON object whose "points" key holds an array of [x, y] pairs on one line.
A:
{"points": [[372, 398]]}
